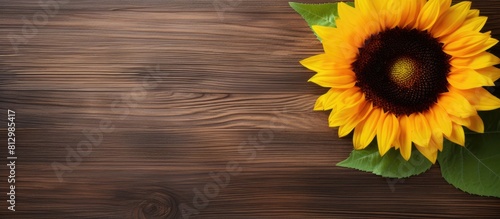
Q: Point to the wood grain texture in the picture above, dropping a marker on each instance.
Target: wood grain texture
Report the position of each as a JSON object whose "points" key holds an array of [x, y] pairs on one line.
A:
{"points": [[188, 90]]}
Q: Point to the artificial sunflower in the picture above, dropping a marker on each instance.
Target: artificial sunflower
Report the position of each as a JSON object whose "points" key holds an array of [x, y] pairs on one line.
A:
{"points": [[407, 72]]}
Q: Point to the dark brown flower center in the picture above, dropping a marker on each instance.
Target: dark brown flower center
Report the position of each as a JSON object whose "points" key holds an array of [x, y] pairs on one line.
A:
{"points": [[402, 71]]}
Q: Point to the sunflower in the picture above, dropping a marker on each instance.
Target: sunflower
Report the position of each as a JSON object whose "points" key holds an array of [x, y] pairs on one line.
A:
{"points": [[408, 72]]}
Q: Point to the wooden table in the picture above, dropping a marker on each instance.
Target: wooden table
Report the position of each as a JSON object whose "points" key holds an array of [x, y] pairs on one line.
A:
{"points": [[131, 109]]}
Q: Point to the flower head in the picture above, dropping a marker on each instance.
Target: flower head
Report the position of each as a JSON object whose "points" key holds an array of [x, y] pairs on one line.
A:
{"points": [[406, 72]]}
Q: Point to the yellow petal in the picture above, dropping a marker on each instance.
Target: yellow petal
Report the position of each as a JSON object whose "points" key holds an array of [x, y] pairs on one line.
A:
{"points": [[444, 6], [468, 78], [422, 131], [350, 21], [405, 137], [455, 104], [366, 130], [419, 6], [472, 50], [340, 52], [473, 13], [335, 81], [451, 19], [442, 119], [391, 13], [352, 34], [429, 152], [460, 121], [386, 132], [319, 62], [349, 98], [366, 9], [319, 103], [474, 123], [473, 24], [469, 46], [480, 99], [457, 136], [348, 13], [471, 39], [370, 17], [326, 63], [491, 72], [410, 11], [353, 121], [481, 60], [437, 140], [428, 15], [339, 116], [327, 100], [378, 4], [439, 122], [326, 32], [470, 26], [489, 43], [379, 133], [396, 143]]}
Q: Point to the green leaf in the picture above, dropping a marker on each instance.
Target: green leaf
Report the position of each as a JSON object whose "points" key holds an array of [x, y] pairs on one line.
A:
{"points": [[475, 168], [392, 164], [318, 14]]}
